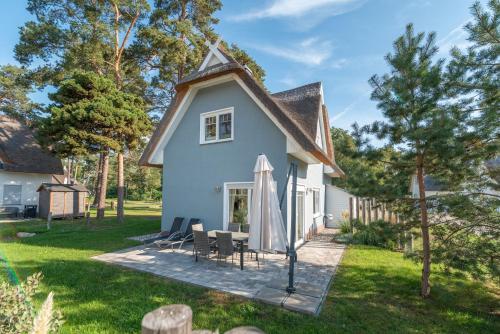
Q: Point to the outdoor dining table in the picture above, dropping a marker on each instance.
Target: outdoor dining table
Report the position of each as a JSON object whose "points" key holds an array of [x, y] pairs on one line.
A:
{"points": [[239, 237]]}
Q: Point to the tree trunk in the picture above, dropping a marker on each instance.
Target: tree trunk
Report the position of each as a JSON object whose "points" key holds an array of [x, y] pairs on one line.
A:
{"points": [[424, 225], [68, 170], [97, 188], [120, 189], [101, 205]]}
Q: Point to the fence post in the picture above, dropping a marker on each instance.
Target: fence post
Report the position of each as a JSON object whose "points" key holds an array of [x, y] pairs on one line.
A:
{"points": [[369, 210], [49, 220], [87, 218], [351, 209], [171, 319], [357, 208], [363, 203], [375, 206]]}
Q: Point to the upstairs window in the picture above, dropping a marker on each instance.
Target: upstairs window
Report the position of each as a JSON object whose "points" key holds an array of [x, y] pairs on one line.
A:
{"points": [[217, 126]]}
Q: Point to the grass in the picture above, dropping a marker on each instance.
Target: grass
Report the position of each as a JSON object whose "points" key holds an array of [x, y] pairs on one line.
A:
{"points": [[375, 290]]}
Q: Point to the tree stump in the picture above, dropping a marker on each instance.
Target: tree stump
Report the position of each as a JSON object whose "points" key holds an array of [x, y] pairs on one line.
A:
{"points": [[171, 319]]}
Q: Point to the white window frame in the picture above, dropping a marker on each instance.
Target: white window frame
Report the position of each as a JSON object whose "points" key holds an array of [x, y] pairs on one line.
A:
{"points": [[316, 213], [227, 187], [217, 114]]}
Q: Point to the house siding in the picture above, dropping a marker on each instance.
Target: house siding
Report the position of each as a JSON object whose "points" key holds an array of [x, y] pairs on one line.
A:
{"points": [[194, 174], [29, 183], [309, 177]]}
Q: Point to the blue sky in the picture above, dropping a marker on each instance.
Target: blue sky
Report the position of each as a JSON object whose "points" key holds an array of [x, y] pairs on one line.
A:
{"points": [[339, 42]]}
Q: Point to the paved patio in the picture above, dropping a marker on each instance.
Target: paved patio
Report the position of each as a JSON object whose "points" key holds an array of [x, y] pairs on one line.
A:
{"points": [[317, 262]]}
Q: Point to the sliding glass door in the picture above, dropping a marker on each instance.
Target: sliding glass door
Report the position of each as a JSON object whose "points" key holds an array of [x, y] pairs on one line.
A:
{"points": [[299, 228]]}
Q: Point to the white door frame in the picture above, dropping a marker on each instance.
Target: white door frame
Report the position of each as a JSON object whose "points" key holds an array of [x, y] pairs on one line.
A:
{"points": [[300, 239], [225, 204]]}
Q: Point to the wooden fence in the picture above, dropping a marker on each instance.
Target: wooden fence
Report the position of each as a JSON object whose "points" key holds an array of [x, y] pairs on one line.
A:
{"points": [[367, 210], [178, 319]]}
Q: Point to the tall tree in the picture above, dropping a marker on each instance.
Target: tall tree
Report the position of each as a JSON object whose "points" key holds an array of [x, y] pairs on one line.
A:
{"points": [[427, 131], [14, 90], [466, 231], [172, 44], [87, 35], [90, 114]]}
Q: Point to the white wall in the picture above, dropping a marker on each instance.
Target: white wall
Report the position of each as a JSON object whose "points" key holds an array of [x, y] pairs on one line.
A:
{"points": [[337, 201], [29, 183], [309, 177]]}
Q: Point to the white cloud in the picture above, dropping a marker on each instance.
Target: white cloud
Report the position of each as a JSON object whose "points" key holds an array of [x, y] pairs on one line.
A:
{"points": [[289, 81], [339, 115], [311, 51], [456, 37], [300, 8], [339, 63]]}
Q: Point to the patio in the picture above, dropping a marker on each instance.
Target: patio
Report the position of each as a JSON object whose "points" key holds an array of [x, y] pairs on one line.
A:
{"points": [[317, 262]]}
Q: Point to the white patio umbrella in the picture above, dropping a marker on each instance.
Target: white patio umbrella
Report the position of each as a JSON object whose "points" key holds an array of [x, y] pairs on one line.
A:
{"points": [[267, 230]]}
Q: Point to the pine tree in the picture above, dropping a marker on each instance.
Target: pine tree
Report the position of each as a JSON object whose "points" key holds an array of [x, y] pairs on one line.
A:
{"points": [[427, 131], [172, 45], [91, 36], [89, 115], [14, 90]]}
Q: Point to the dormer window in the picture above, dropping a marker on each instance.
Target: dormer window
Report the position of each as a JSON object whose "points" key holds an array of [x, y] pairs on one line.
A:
{"points": [[217, 126]]}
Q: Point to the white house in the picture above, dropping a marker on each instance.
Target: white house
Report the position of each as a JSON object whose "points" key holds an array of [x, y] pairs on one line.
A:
{"points": [[24, 165]]}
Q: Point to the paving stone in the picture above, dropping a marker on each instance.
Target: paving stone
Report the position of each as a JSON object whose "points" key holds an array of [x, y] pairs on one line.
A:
{"points": [[302, 303], [308, 289], [318, 260], [271, 296]]}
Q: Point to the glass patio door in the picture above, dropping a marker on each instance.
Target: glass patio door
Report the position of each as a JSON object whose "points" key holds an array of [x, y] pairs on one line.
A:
{"points": [[299, 228]]}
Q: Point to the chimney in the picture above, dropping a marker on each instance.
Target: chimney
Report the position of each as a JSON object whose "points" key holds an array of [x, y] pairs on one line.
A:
{"points": [[248, 69]]}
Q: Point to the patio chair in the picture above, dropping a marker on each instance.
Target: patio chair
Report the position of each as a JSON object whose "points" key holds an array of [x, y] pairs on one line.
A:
{"points": [[180, 237], [245, 228], [225, 246], [234, 227], [176, 227], [202, 245]]}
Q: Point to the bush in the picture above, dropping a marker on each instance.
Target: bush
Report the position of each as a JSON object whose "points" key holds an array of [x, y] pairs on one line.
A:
{"points": [[345, 227], [17, 314], [378, 233]]}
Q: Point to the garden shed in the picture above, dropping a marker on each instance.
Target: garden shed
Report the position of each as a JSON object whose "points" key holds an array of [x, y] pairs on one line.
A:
{"points": [[63, 200]]}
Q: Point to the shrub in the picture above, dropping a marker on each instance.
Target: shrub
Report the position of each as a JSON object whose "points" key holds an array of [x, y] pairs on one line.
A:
{"points": [[345, 227], [17, 314], [378, 233]]}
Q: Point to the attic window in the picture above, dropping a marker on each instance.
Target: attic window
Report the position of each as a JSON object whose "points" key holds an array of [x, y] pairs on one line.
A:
{"points": [[217, 126]]}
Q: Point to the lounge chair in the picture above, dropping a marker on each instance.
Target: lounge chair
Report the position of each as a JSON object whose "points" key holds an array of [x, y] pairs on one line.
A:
{"points": [[180, 237], [176, 227]]}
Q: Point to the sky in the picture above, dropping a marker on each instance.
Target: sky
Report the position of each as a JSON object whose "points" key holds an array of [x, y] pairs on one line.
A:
{"points": [[341, 43]]}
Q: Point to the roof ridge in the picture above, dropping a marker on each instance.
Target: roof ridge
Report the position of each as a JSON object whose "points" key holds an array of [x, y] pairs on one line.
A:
{"points": [[316, 83]]}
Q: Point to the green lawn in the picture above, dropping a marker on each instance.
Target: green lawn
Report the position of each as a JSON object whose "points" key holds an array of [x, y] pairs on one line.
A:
{"points": [[375, 291]]}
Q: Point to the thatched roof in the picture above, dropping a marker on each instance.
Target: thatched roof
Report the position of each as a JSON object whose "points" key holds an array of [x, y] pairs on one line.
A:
{"points": [[20, 152], [297, 110]]}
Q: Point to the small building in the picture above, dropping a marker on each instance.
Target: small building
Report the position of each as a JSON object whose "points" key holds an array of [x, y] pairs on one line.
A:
{"points": [[63, 200]]}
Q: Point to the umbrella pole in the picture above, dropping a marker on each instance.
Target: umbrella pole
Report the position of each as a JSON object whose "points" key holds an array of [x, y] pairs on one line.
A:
{"points": [[291, 252]]}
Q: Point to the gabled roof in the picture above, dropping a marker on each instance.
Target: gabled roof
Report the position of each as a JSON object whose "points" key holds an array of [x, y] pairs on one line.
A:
{"points": [[296, 110], [20, 152]]}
